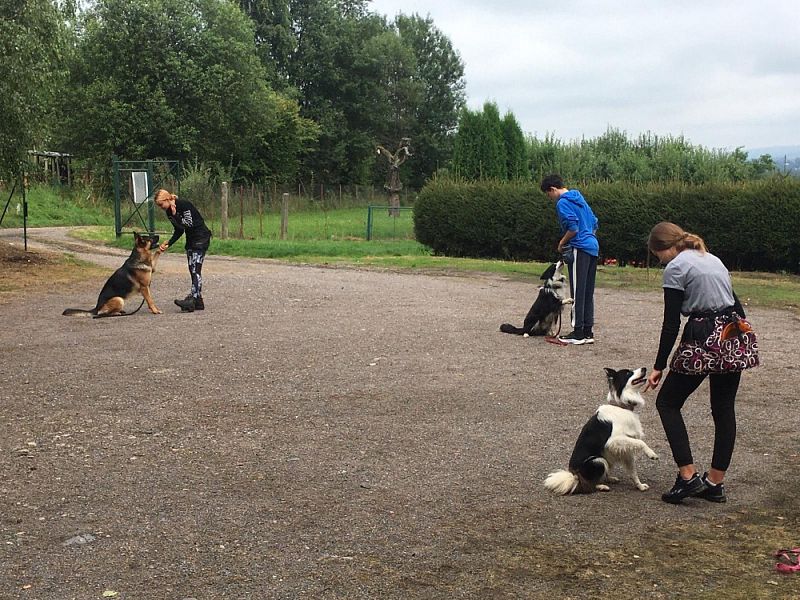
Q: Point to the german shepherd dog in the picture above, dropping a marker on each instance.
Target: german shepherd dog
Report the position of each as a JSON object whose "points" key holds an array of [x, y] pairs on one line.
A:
{"points": [[133, 276], [612, 436], [546, 310]]}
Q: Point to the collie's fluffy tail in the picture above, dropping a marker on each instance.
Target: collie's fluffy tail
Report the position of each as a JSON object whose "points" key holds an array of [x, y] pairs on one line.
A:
{"points": [[509, 328], [561, 482], [78, 311]]}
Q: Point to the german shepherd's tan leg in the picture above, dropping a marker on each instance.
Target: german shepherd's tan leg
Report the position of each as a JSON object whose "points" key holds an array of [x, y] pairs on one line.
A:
{"points": [[145, 289], [112, 308]]}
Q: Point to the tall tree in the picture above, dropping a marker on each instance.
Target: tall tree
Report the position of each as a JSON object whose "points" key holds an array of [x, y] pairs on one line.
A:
{"points": [[493, 155], [274, 37], [337, 82], [480, 150], [365, 82], [439, 73], [176, 79], [516, 149], [467, 160], [32, 45]]}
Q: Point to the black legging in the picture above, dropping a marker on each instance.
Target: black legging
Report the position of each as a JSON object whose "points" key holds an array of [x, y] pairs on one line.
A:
{"points": [[675, 390], [195, 259]]}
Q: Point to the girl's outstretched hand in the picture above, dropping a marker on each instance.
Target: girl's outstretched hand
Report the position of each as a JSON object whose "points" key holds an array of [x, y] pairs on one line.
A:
{"points": [[653, 380]]}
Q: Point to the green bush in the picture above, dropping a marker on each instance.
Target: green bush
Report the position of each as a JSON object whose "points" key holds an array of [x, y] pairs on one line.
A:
{"points": [[750, 226], [485, 219]]}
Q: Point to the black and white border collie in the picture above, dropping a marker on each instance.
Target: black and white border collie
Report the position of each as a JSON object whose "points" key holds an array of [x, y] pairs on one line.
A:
{"points": [[543, 315], [611, 437]]}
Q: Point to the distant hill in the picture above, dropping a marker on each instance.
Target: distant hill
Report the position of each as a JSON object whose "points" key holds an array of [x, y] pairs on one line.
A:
{"points": [[776, 152]]}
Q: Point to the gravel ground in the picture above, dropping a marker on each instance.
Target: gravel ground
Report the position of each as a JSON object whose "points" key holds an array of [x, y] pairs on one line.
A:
{"points": [[341, 433]]}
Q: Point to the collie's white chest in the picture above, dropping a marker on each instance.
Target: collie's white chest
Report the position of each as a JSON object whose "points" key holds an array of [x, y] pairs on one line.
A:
{"points": [[623, 422]]}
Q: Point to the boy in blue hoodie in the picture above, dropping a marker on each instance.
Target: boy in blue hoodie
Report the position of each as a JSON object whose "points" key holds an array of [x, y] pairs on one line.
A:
{"points": [[579, 247]]}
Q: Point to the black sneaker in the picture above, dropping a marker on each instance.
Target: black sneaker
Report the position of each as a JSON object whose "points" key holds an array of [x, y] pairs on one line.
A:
{"points": [[575, 338], [187, 304], [588, 337], [198, 303], [684, 488], [712, 493]]}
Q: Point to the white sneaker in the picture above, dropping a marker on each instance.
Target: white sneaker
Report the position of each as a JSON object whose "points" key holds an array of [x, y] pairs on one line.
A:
{"points": [[574, 338]]}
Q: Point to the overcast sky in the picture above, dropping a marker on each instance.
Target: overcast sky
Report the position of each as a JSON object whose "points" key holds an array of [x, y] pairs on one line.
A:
{"points": [[724, 73]]}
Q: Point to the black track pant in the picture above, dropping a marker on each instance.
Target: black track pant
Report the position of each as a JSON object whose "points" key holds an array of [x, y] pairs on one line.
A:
{"points": [[582, 275], [675, 390]]}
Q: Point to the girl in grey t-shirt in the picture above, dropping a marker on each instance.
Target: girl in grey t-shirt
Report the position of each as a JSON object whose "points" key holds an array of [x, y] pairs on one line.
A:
{"points": [[696, 284]]}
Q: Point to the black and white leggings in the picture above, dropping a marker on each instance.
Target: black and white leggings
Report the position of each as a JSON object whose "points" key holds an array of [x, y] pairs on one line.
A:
{"points": [[195, 259], [675, 390]]}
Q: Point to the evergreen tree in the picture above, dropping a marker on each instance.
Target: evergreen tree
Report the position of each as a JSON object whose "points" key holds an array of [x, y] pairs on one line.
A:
{"points": [[467, 151], [480, 147], [493, 145], [516, 151]]}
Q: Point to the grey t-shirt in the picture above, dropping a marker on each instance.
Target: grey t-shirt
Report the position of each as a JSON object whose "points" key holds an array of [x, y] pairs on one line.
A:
{"points": [[705, 281]]}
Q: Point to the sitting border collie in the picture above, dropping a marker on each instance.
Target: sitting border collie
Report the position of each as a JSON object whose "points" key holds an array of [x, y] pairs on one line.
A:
{"points": [[612, 436], [546, 310]]}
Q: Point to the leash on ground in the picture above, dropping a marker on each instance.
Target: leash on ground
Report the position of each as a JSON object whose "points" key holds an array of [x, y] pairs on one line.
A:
{"points": [[553, 339]]}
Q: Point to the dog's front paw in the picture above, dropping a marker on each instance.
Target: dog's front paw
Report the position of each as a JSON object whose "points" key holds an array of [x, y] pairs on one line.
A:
{"points": [[156, 312], [568, 301], [600, 487], [652, 456], [642, 487]]}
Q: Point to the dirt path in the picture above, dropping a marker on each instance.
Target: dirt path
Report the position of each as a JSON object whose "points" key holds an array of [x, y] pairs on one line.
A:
{"points": [[342, 433]]}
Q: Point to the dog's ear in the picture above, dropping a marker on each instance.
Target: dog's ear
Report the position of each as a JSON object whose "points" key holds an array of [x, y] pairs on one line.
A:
{"points": [[610, 373]]}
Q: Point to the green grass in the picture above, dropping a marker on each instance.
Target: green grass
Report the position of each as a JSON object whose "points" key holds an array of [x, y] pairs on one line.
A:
{"points": [[311, 224], [56, 206], [337, 237]]}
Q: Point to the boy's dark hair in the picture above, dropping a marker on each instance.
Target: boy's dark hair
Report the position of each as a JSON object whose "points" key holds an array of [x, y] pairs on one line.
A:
{"points": [[552, 181]]}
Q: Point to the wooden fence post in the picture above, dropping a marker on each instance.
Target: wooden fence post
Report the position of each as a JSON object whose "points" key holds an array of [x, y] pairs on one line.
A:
{"points": [[223, 212], [241, 213], [260, 214], [284, 215]]}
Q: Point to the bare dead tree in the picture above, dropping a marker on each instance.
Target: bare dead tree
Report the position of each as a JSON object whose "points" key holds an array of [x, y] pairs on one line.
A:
{"points": [[393, 184]]}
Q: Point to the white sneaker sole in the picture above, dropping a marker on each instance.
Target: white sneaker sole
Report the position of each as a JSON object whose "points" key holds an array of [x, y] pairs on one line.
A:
{"points": [[573, 342]]}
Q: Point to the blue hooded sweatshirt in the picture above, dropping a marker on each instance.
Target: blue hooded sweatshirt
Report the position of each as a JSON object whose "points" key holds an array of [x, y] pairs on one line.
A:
{"points": [[574, 214]]}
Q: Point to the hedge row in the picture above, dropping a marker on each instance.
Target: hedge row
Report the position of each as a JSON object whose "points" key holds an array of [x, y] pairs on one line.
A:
{"points": [[750, 226]]}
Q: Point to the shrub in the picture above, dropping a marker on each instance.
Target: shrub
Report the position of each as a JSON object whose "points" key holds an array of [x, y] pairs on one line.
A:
{"points": [[750, 226]]}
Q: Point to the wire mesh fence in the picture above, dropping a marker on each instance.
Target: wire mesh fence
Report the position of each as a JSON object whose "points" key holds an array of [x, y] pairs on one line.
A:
{"points": [[331, 212]]}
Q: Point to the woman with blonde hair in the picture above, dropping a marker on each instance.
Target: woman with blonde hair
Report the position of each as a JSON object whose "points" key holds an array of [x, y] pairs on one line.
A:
{"points": [[185, 218], [697, 285]]}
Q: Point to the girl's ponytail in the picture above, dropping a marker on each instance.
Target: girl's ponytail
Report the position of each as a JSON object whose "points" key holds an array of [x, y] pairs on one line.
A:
{"points": [[666, 235]]}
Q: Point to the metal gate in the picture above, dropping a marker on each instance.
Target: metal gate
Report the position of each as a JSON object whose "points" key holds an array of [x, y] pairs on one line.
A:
{"points": [[135, 183]]}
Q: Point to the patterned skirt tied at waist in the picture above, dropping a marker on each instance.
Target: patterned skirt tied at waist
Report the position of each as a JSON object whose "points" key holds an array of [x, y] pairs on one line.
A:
{"points": [[716, 342]]}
